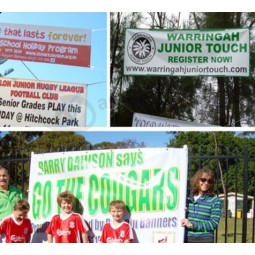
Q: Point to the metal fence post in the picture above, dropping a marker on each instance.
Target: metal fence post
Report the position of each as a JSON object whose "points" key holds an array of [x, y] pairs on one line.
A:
{"points": [[245, 194]]}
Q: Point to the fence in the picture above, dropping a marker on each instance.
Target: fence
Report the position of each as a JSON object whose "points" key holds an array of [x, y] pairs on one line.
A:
{"points": [[18, 166], [235, 175], [234, 171]]}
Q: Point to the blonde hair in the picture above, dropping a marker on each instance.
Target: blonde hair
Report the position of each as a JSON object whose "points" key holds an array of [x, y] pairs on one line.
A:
{"points": [[119, 204]]}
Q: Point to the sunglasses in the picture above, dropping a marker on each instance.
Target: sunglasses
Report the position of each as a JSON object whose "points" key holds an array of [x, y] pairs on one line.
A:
{"points": [[210, 181]]}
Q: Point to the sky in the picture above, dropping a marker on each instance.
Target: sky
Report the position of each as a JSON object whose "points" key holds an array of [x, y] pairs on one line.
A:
{"points": [[151, 139], [95, 76]]}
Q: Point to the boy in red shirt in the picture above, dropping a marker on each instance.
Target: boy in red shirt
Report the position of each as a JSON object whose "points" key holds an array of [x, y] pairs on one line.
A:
{"points": [[117, 231], [17, 228], [67, 227]]}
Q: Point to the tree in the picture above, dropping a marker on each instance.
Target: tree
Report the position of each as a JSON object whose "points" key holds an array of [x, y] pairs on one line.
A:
{"points": [[18, 143], [118, 145], [59, 141], [172, 97], [118, 23], [15, 152], [234, 96], [204, 144]]}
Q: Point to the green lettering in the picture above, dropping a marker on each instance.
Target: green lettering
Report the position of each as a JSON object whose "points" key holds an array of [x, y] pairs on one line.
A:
{"points": [[41, 207], [47, 199], [36, 207], [144, 204], [131, 193], [105, 197], [171, 37], [235, 36], [93, 204], [173, 197], [243, 47], [157, 193], [118, 160], [126, 159], [40, 165], [105, 160], [140, 158], [52, 166]]}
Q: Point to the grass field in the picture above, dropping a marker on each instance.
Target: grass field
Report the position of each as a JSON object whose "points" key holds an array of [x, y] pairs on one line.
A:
{"points": [[231, 236]]}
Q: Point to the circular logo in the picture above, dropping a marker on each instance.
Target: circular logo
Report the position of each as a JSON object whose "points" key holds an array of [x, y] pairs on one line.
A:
{"points": [[141, 48]]}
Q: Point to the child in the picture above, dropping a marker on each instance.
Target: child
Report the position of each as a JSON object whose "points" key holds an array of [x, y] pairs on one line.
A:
{"points": [[117, 231], [67, 227], [17, 227]]}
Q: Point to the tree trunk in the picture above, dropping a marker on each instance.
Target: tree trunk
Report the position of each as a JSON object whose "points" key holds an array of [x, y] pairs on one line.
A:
{"points": [[115, 46], [159, 96], [222, 101], [236, 102]]}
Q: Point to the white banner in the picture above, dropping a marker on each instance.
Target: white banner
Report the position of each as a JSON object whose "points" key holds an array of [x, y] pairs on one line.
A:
{"points": [[145, 120], [32, 103], [151, 181], [221, 52]]}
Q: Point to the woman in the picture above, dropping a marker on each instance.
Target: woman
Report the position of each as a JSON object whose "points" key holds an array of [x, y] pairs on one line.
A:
{"points": [[9, 194], [203, 208]]}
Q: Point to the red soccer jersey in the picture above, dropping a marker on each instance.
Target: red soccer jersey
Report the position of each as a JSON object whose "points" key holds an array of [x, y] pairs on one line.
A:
{"points": [[67, 230], [119, 234], [15, 232]]}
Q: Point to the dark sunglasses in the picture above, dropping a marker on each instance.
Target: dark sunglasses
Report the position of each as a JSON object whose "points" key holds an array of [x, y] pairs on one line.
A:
{"points": [[210, 181]]}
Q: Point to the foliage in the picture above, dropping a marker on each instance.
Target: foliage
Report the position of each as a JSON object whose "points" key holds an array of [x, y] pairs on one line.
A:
{"points": [[59, 141], [118, 145], [18, 143], [171, 97], [223, 101], [220, 149], [232, 103], [203, 140]]}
